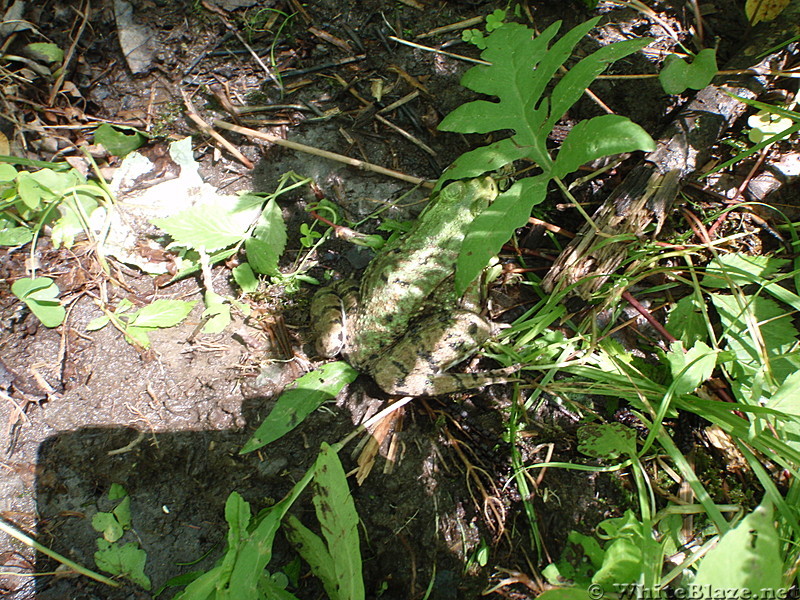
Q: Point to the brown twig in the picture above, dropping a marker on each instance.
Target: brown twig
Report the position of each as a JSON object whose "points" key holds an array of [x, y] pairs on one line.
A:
{"points": [[60, 79], [626, 295], [206, 128], [353, 162], [739, 191]]}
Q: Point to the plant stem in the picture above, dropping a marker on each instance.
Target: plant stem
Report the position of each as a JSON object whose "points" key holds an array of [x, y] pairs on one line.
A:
{"points": [[29, 541]]}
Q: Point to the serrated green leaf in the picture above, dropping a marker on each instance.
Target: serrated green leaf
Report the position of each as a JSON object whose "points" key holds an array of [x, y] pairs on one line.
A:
{"points": [[212, 226], [124, 561], [747, 558], [573, 84], [750, 321], [687, 321], [495, 225], [261, 257], [677, 74], [268, 241], [741, 269], [483, 160], [162, 313], [522, 66], [598, 137], [294, 405], [692, 367]]}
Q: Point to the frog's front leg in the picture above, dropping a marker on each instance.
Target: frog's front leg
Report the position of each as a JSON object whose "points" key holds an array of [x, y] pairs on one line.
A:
{"points": [[415, 365]]}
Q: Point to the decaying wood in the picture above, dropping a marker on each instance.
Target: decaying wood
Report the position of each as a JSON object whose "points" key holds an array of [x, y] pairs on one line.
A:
{"points": [[642, 201]]}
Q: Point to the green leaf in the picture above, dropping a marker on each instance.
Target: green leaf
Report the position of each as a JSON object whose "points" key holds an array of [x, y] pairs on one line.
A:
{"points": [[15, 236], [606, 440], [338, 520], [108, 525], [117, 492], [313, 550], [690, 368], [76, 209], [747, 557], [162, 313], [760, 335], [31, 192], [741, 269], [7, 173], [566, 593], [214, 225], [677, 75], [138, 335], [237, 514], [494, 226], [786, 400], [123, 561], [41, 297], [122, 512], [294, 405], [622, 564], [598, 137], [119, 141], [687, 321], [245, 278], [522, 66], [98, 323], [217, 311], [44, 52], [573, 84], [268, 241]]}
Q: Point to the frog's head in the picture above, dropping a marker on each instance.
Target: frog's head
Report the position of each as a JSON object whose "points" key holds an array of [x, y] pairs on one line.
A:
{"points": [[473, 195]]}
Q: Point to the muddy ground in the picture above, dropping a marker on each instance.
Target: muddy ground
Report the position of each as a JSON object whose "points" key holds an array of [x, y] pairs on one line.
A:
{"points": [[168, 422]]}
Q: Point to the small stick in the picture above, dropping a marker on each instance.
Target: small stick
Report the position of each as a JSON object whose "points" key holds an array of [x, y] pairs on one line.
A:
{"points": [[443, 52], [70, 53], [205, 128], [353, 162], [32, 543], [452, 27], [406, 135]]}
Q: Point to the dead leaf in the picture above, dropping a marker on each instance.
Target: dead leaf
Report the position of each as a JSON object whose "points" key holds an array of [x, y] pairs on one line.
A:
{"points": [[764, 10]]}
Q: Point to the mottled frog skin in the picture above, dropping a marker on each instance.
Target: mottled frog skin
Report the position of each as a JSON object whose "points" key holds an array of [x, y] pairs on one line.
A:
{"points": [[404, 325]]}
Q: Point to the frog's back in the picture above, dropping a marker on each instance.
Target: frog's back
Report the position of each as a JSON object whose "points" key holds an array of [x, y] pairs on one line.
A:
{"points": [[399, 282]]}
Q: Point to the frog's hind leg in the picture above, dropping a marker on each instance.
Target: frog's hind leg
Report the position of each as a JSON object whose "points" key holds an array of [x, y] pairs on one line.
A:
{"points": [[331, 307], [415, 365]]}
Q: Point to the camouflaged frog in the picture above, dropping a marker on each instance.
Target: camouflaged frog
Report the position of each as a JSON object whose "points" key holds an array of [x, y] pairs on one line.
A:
{"points": [[405, 325]]}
